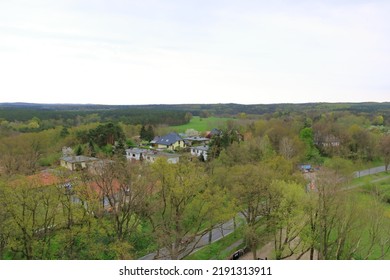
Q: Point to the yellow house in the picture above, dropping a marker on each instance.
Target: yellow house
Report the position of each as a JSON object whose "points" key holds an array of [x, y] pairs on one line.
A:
{"points": [[171, 141]]}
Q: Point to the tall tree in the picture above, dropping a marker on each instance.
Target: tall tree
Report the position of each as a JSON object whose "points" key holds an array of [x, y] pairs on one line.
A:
{"points": [[123, 191], [384, 148], [250, 188], [335, 226], [288, 219], [143, 133], [33, 212], [149, 133], [307, 136], [187, 207]]}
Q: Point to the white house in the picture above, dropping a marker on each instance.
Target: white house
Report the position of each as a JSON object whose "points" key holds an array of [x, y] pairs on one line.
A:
{"points": [[135, 154], [150, 155], [200, 151]]}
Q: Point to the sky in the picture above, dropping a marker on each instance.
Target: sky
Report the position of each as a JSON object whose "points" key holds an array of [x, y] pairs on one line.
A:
{"points": [[194, 51]]}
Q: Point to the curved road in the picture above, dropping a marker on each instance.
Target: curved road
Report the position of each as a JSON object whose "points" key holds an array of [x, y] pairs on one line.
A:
{"points": [[370, 171]]}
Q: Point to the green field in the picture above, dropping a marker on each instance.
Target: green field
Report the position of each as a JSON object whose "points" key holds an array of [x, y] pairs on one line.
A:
{"points": [[201, 124], [379, 184]]}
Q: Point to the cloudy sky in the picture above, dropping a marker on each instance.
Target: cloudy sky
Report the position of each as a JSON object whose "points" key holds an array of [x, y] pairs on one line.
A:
{"points": [[194, 51]]}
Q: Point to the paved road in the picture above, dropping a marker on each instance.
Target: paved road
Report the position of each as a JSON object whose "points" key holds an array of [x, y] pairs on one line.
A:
{"points": [[370, 171]]}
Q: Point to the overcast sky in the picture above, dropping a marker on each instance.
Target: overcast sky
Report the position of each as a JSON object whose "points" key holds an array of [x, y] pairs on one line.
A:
{"points": [[194, 51]]}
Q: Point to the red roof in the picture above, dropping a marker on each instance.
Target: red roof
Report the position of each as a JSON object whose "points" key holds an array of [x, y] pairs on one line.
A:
{"points": [[45, 178]]}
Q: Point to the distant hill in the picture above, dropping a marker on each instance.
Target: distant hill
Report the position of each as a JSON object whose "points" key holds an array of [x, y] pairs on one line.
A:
{"points": [[25, 111], [196, 107]]}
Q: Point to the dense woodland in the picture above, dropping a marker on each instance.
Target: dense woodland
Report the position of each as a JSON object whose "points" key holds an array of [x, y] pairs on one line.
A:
{"points": [[124, 210]]}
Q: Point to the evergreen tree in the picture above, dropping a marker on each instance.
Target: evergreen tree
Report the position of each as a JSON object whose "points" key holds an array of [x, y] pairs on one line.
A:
{"points": [[79, 150], [120, 149], [149, 133], [143, 133]]}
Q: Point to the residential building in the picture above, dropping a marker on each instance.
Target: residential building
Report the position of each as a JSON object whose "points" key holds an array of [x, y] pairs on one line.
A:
{"points": [[150, 155], [135, 153], [214, 132], [171, 158], [75, 163], [171, 141], [328, 140], [200, 151], [196, 140]]}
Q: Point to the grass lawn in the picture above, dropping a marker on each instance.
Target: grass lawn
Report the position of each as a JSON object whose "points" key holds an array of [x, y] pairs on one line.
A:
{"points": [[201, 124], [364, 194]]}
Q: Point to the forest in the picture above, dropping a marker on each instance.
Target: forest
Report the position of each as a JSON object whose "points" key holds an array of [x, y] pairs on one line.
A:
{"points": [[254, 175]]}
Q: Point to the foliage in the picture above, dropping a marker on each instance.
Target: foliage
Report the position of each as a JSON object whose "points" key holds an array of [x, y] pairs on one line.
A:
{"points": [[117, 210], [384, 148], [147, 134], [187, 207]]}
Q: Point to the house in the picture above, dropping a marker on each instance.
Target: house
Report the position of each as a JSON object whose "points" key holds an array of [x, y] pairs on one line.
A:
{"points": [[153, 156], [150, 155], [200, 151], [214, 132], [75, 163], [135, 153], [171, 141], [328, 140], [331, 141], [196, 140]]}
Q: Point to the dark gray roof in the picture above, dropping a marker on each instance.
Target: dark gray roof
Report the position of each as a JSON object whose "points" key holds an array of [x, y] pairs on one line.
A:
{"points": [[75, 159], [167, 155], [169, 139], [155, 139], [215, 131], [136, 150], [197, 138]]}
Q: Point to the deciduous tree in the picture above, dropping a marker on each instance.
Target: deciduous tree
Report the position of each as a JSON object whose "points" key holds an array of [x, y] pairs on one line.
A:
{"points": [[384, 148], [188, 207]]}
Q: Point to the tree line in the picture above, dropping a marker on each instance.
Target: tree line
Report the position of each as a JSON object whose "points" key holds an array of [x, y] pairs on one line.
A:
{"points": [[34, 120]]}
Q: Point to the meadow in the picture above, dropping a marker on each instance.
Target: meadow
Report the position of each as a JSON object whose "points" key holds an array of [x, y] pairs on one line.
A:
{"points": [[201, 124], [374, 188]]}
